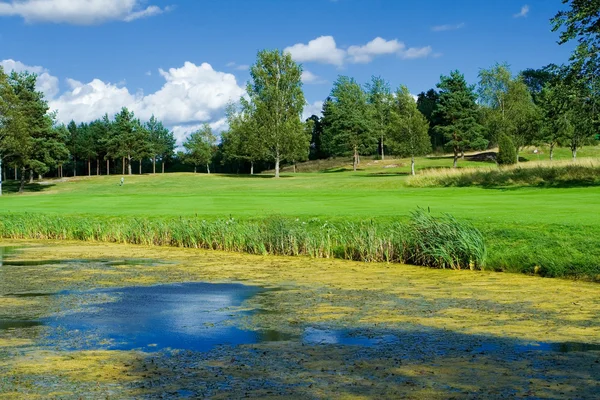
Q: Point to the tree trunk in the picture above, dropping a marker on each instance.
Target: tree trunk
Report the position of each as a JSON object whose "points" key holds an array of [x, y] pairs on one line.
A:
{"points": [[574, 152], [154, 165], [412, 165], [208, 169], [355, 159], [123, 165], [251, 168], [89, 167], [16, 174], [140, 167], [455, 164], [163, 167], [39, 177], [195, 169], [97, 166], [294, 167], [22, 185], [277, 166], [551, 152], [129, 165], [107, 167], [30, 176], [382, 151], [74, 166]]}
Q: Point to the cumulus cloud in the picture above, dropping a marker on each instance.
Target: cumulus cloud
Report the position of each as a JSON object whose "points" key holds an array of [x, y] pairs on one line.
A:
{"points": [[315, 108], [523, 13], [324, 50], [448, 27], [46, 83], [191, 94], [79, 12], [181, 132], [376, 47], [311, 79]]}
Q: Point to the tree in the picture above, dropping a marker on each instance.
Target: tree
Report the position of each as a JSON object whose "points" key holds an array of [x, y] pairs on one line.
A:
{"points": [[507, 153], [200, 147], [73, 143], [42, 146], [315, 128], [162, 142], [242, 142], [346, 124], [427, 104], [409, 128], [582, 23], [536, 79], [457, 113], [275, 103], [379, 99], [128, 139], [12, 128], [511, 108]]}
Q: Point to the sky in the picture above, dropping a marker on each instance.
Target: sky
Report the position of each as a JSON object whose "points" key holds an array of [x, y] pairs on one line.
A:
{"points": [[184, 60]]}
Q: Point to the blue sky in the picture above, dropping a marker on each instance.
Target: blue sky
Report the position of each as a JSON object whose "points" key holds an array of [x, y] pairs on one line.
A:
{"points": [[94, 56]]}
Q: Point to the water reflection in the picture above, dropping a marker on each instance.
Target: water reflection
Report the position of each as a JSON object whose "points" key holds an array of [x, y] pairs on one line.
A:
{"points": [[194, 316]]}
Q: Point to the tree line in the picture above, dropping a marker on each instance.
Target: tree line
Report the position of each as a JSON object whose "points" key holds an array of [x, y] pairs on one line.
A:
{"points": [[552, 106]]}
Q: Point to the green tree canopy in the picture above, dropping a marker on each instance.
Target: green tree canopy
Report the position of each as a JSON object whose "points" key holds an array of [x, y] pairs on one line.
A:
{"points": [[275, 103]]}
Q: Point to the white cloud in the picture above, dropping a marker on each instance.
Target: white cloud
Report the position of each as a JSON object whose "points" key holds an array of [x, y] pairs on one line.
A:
{"points": [[415, 52], [46, 83], [181, 132], [79, 12], [322, 49], [191, 94], [523, 13], [376, 47], [448, 27], [311, 79], [315, 108]]}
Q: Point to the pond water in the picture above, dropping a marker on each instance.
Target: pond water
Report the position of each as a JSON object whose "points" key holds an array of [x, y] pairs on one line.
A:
{"points": [[192, 316]]}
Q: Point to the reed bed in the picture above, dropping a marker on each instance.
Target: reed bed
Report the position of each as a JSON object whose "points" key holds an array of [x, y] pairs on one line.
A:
{"points": [[582, 172], [434, 241]]}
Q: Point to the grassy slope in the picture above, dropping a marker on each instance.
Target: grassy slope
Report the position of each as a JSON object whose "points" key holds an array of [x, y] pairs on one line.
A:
{"points": [[558, 226]]}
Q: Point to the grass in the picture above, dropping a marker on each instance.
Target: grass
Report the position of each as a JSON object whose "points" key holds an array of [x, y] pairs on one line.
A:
{"points": [[552, 230], [427, 240], [581, 172]]}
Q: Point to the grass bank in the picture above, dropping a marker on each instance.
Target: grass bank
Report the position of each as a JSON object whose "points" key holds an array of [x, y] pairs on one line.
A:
{"points": [[434, 241], [566, 173]]}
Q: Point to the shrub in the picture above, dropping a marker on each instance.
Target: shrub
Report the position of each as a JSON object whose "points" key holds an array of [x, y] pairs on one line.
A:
{"points": [[507, 153]]}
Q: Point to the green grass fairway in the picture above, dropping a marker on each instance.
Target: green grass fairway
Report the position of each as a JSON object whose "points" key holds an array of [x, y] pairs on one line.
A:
{"points": [[524, 226]]}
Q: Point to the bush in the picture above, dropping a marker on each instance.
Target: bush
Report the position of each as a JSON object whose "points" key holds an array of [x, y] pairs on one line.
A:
{"points": [[507, 153]]}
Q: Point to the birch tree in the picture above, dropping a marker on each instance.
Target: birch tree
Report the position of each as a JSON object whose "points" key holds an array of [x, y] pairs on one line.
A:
{"points": [[275, 102]]}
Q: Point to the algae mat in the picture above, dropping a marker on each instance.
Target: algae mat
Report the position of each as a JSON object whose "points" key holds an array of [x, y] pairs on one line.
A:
{"points": [[456, 334]]}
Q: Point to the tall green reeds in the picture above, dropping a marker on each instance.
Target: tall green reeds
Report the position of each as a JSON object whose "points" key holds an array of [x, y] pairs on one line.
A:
{"points": [[441, 242]]}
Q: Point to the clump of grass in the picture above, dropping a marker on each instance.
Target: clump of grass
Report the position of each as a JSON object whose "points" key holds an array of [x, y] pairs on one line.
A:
{"points": [[445, 242], [584, 172], [440, 242]]}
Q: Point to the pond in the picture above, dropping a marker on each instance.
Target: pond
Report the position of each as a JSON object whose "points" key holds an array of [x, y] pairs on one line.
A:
{"points": [[131, 322]]}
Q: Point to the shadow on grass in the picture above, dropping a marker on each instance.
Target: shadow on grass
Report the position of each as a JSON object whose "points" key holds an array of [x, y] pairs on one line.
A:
{"points": [[13, 187], [256, 176], [384, 174]]}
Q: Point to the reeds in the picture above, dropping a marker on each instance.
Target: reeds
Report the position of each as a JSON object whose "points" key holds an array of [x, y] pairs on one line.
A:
{"points": [[440, 242]]}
